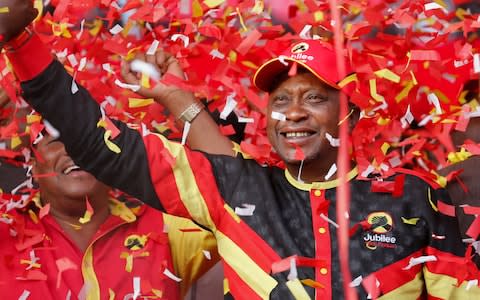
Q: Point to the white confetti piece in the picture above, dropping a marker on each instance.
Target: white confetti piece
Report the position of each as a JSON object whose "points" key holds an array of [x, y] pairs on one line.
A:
{"points": [[186, 130], [395, 161], [471, 283], [74, 88], [293, 270], [245, 120], [476, 63], [107, 67], [116, 29], [433, 99], [79, 34], [333, 141], [69, 295], [33, 260], [217, 54], [171, 275], [419, 260], [133, 87], [83, 63], [229, 106], [328, 220], [246, 210], [72, 60], [136, 287], [425, 120], [52, 131], [282, 58], [407, 118], [433, 5], [143, 67], [184, 38], [438, 237], [305, 33], [207, 254], [278, 116], [24, 295], [153, 47], [356, 282], [331, 172]]}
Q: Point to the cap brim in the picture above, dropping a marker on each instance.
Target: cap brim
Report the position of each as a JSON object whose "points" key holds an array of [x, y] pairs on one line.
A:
{"points": [[268, 72]]}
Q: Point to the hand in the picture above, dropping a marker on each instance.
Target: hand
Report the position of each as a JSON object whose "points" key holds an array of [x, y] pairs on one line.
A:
{"points": [[21, 13], [164, 63]]}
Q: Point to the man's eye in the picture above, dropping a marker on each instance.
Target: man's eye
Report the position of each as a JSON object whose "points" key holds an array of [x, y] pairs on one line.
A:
{"points": [[316, 97], [280, 99]]}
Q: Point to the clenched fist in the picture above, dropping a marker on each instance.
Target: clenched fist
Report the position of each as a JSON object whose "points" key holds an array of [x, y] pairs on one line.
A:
{"points": [[20, 14]]}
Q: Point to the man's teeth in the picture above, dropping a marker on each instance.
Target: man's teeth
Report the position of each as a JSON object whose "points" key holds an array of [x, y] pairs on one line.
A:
{"points": [[297, 134], [70, 169]]}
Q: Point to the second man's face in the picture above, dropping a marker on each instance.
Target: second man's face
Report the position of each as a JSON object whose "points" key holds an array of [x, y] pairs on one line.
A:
{"points": [[311, 109]]}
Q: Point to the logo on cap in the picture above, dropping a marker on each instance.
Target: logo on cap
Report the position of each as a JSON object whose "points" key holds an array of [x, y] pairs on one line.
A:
{"points": [[300, 47], [298, 52]]}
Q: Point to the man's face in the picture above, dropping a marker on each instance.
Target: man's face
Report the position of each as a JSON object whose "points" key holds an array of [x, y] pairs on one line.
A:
{"points": [[63, 178], [311, 109]]}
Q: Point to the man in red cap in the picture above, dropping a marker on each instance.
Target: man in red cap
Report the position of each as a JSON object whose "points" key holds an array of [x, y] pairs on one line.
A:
{"points": [[275, 228]]}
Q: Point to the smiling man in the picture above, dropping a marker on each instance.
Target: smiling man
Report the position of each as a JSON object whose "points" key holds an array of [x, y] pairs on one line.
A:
{"points": [[275, 228], [75, 238]]}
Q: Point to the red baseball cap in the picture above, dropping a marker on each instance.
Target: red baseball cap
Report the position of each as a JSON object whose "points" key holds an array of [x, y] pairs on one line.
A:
{"points": [[314, 55]]}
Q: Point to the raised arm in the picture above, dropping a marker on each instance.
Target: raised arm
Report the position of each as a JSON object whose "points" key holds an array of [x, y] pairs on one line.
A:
{"points": [[204, 133]]}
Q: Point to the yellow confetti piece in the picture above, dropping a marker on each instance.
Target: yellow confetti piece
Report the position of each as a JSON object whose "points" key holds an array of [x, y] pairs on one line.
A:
{"points": [[414, 79], [114, 148], [33, 119], [33, 216], [96, 27], [213, 3], [412, 221], [347, 80], [29, 263], [226, 287], [139, 102], [111, 294], [119, 209], [373, 91], [383, 121], [389, 75], [456, 157], [38, 4], [86, 218], [196, 9], [441, 180], [157, 293], [249, 64], [259, 7], [241, 20], [233, 56], [145, 81], [312, 283], [434, 207], [385, 147], [404, 93], [15, 142], [4, 10], [102, 123], [319, 16], [232, 213]]}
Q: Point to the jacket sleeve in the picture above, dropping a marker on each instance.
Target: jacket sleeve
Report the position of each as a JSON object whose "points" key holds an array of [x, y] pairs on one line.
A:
{"points": [[452, 274], [148, 166], [47, 87]]}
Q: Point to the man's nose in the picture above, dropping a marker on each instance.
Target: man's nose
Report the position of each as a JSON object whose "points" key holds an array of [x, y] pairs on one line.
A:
{"points": [[296, 111]]}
